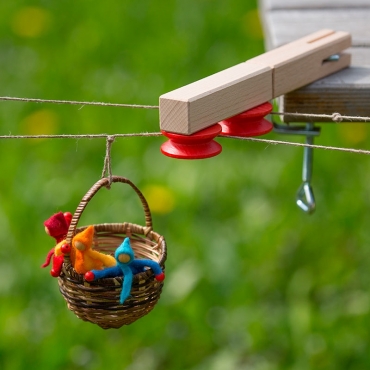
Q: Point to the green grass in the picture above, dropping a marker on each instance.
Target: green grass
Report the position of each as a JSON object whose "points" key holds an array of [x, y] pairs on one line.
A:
{"points": [[252, 282]]}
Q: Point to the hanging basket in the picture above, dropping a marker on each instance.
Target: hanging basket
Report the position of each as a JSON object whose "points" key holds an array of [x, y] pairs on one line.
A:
{"points": [[98, 301]]}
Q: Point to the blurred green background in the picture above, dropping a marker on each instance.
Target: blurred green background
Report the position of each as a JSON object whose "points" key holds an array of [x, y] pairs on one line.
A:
{"points": [[252, 282]]}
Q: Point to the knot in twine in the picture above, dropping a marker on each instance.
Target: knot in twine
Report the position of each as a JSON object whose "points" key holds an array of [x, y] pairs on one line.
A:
{"points": [[107, 169], [337, 117]]}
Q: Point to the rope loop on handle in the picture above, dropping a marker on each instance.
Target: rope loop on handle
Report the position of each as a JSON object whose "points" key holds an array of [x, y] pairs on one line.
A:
{"points": [[107, 168]]}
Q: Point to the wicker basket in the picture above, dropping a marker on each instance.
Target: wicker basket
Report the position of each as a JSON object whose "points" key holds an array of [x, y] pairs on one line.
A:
{"points": [[98, 301]]}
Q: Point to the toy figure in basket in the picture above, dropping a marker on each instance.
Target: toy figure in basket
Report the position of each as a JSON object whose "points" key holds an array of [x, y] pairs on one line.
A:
{"points": [[57, 227], [127, 266], [86, 258]]}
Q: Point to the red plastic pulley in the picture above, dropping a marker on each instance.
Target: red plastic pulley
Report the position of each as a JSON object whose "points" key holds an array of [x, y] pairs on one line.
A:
{"points": [[196, 146], [248, 123]]}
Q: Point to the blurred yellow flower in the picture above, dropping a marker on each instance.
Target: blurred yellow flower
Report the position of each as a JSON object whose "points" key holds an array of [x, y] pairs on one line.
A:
{"points": [[40, 122], [353, 133], [31, 21], [160, 198], [252, 25]]}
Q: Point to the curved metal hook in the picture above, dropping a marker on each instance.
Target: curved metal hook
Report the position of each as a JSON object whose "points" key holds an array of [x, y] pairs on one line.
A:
{"points": [[305, 198]]}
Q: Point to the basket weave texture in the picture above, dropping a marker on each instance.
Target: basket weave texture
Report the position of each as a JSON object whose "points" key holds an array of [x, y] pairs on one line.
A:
{"points": [[98, 301]]}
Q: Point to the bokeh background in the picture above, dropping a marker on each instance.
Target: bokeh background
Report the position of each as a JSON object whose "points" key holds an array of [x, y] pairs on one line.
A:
{"points": [[252, 281]]}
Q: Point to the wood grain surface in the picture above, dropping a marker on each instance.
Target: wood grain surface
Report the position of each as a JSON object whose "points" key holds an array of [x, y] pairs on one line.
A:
{"points": [[347, 91]]}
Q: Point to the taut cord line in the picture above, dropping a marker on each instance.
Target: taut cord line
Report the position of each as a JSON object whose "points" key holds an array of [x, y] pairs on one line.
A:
{"points": [[278, 142], [335, 117], [157, 134], [29, 100], [77, 136]]}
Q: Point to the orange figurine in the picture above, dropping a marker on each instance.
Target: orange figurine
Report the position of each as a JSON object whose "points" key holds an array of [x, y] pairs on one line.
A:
{"points": [[86, 258]]}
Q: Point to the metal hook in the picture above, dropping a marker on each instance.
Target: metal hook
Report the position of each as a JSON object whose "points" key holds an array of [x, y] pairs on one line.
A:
{"points": [[305, 198]]}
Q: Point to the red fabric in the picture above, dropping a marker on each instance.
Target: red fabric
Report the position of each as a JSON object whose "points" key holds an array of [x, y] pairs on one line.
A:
{"points": [[58, 225], [57, 266], [48, 258]]}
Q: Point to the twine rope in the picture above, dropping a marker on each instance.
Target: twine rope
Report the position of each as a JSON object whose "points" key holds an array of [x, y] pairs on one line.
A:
{"points": [[280, 142], [79, 136], [157, 134], [107, 168], [73, 102], [335, 117]]}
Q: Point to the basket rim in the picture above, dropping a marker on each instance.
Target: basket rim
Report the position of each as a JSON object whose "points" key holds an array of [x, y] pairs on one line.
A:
{"points": [[106, 182]]}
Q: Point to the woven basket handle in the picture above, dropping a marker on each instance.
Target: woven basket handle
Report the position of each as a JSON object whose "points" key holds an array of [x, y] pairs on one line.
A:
{"points": [[94, 189]]}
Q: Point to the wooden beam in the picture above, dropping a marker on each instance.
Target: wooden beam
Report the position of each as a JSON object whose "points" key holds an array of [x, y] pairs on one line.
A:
{"points": [[210, 100], [360, 57], [283, 26], [303, 61], [225, 94], [312, 4], [346, 92]]}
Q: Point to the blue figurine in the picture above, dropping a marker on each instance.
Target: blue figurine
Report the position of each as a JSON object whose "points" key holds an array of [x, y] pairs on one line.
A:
{"points": [[127, 266]]}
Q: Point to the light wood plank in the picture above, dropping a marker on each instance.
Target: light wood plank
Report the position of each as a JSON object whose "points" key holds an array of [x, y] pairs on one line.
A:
{"points": [[311, 4], [360, 56], [205, 102], [302, 61], [225, 94], [283, 26], [346, 92]]}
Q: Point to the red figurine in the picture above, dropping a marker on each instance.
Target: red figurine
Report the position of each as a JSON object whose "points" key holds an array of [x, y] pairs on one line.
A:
{"points": [[57, 227]]}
